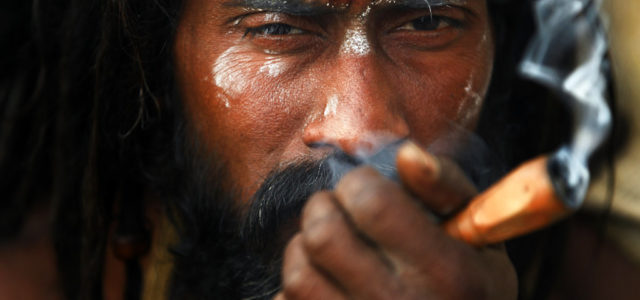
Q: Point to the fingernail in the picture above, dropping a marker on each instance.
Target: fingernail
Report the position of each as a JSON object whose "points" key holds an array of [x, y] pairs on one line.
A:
{"points": [[427, 163]]}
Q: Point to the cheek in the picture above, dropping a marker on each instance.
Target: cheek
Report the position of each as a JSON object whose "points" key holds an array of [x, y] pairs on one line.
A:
{"points": [[477, 83], [446, 93], [246, 107], [256, 97], [472, 99], [244, 83]]}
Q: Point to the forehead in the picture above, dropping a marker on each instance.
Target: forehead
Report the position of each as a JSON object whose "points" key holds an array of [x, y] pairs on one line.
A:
{"points": [[302, 7]]}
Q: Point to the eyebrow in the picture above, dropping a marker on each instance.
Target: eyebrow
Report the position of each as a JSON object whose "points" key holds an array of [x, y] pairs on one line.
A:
{"points": [[293, 7], [306, 7]]}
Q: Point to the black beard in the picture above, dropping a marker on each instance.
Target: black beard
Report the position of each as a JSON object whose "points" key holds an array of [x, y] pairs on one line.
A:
{"points": [[275, 208], [225, 252]]}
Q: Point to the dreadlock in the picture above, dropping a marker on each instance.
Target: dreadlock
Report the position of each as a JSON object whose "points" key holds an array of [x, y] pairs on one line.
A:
{"points": [[88, 109], [84, 125]]}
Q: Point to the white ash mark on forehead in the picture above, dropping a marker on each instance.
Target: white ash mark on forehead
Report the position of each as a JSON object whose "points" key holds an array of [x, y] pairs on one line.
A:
{"points": [[356, 42], [430, 2], [365, 14]]}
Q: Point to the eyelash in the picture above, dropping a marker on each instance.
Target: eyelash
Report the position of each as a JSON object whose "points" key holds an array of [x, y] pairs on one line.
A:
{"points": [[272, 29], [277, 29], [436, 20]]}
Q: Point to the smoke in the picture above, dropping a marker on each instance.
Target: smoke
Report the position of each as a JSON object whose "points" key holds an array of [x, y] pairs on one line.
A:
{"points": [[568, 55], [472, 154]]}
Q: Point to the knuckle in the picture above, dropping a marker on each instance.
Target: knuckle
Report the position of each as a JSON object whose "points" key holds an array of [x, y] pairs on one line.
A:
{"points": [[318, 205], [296, 283], [354, 180], [373, 205], [320, 238], [294, 245], [279, 296]]}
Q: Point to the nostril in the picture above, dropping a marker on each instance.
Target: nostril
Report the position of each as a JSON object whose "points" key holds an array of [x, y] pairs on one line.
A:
{"points": [[359, 147], [346, 146], [320, 145], [369, 143], [323, 145]]}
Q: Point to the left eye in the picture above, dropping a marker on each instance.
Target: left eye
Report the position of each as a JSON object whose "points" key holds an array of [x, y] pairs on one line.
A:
{"points": [[429, 23], [273, 29]]}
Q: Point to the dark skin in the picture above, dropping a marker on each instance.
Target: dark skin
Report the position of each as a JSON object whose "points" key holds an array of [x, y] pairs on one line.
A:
{"points": [[371, 239], [266, 85], [266, 89], [336, 239]]}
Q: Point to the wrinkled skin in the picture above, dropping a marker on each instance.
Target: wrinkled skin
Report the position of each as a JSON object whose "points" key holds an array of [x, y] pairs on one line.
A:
{"points": [[371, 239], [265, 88]]}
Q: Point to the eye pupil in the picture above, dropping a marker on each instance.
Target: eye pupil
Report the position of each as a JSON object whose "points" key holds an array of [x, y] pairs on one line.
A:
{"points": [[427, 23]]}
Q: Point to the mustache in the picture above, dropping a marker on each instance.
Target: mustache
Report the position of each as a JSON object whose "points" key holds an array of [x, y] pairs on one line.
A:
{"points": [[277, 204]]}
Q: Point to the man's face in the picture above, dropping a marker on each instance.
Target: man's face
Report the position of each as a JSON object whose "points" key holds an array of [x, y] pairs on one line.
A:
{"points": [[270, 83]]}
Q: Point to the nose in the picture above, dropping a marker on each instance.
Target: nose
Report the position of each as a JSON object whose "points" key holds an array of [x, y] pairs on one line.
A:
{"points": [[362, 109]]}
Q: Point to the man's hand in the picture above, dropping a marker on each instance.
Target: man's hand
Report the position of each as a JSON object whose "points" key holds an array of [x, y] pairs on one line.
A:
{"points": [[374, 239]]}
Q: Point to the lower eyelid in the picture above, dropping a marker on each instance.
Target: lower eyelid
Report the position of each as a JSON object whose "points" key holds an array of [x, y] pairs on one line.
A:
{"points": [[295, 30], [261, 30]]}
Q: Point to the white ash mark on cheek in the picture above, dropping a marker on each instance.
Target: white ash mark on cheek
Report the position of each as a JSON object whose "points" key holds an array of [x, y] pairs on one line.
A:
{"points": [[470, 107], [235, 69], [331, 107], [273, 66], [230, 72], [468, 88], [224, 99], [484, 41], [281, 98]]}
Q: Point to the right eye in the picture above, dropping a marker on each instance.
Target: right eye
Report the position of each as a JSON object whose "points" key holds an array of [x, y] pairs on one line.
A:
{"points": [[273, 29], [278, 33]]}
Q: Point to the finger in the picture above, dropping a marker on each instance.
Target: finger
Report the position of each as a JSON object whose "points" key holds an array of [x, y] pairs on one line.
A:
{"points": [[384, 212], [333, 246], [438, 182], [300, 280], [279, 296]]}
